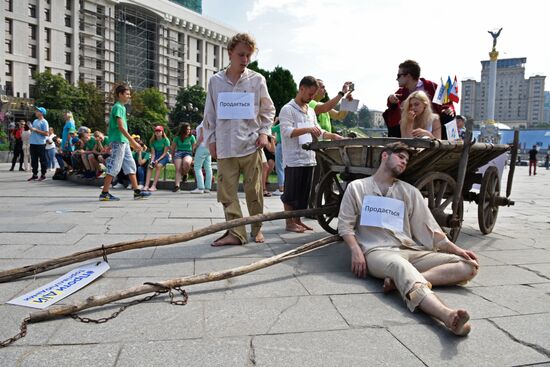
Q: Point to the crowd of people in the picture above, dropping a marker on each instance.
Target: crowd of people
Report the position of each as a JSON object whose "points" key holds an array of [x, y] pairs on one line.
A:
{"points": [[240, 131]]}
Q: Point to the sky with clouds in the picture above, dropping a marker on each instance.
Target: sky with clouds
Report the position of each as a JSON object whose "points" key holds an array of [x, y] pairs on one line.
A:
{"points": [[364, 41]]}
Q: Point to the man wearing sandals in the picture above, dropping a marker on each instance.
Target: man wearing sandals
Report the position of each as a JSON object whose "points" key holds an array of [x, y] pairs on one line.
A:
{"points": [[393, 236]]}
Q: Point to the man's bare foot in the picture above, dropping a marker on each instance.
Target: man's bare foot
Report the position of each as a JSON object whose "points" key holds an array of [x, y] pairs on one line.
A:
{"points": [[259, 237], [458, 322], [305, 226], [227, 239], [295, 228], [389, 285]]}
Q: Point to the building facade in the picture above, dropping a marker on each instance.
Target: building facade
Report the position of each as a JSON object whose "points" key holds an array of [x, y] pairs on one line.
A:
{"points": [[518, 101], [159, 43]]}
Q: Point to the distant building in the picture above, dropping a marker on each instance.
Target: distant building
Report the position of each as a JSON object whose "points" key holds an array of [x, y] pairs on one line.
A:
{"points": [[159, 43], [547, 107], [377, 119], [519, 101]]}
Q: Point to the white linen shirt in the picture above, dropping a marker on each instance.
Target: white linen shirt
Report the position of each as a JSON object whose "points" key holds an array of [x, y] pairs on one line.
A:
{"points": [[290, 117], [237, 137], [419, 224]]}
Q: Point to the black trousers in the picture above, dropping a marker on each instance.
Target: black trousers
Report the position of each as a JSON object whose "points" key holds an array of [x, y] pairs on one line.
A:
{"points": [[38, 153], [17, 152]]}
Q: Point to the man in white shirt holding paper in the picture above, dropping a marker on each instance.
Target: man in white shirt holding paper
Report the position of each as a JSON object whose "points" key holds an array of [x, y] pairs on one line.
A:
{"points": [[393, 235], [237, 119], [299, 126]]}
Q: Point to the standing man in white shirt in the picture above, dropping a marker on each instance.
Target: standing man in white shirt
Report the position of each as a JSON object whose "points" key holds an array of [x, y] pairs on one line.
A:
{"points": [[298, 126], [237, 119]]}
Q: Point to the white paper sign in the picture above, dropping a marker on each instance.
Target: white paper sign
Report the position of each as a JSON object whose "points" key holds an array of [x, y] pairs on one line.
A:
{"points": [[383, 212], [304, 138], [452, 130], [235, 106], [350, 106], [62, 286]]}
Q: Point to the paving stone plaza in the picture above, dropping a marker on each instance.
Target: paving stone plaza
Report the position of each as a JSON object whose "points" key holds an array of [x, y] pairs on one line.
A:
{"points": [[308, 311]]}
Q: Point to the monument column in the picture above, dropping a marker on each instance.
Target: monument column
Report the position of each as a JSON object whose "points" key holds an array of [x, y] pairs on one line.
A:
{"points": [[492, 87]]}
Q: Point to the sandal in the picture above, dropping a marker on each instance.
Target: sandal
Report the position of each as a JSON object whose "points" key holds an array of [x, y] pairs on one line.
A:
{"points": [[176, 189], [267, 194]]}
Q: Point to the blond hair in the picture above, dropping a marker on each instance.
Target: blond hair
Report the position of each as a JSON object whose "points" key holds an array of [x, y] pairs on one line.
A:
{"points": [[426, 115], [241, 37]]}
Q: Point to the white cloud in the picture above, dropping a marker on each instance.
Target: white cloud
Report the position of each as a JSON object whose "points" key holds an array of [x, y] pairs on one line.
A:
{"points": [[365, 41]]}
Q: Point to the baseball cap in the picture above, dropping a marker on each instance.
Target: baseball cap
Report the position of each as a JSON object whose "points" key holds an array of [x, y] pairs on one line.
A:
{"points": [[159, 128], [75, 140], [42, 110]]}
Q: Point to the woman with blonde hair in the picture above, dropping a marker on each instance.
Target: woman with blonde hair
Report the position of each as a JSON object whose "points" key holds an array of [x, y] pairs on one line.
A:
{"points": [[417, 118]]}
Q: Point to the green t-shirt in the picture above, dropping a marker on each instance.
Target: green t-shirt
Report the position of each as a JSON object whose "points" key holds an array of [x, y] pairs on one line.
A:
{"points": [[144, 155], [158, 145], [277, 131], [186, 144], [117, 111], [322, 118], [90, 144]]}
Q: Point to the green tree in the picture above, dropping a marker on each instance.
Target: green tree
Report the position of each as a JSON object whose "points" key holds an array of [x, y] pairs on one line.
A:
{"points": [[58, 95], [280, 84], [148, 109], [196, 95], [364, 117]]}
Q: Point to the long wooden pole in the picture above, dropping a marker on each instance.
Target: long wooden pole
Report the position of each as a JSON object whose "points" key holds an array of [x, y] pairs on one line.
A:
{"points": [[16, 273], [96, 301]]}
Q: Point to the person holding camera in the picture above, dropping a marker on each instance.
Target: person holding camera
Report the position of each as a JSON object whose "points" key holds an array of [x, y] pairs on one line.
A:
{"points": [[325, 111]]}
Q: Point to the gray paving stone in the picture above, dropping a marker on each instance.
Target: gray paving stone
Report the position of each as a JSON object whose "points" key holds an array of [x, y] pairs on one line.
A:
{"points": [[96, 240], [360, 310], [520, 298], [86, 355], [542, 270], [531, 256], [150, 267], [154, 320], [200, 248], [528, 329], [257, 286], [338, 283], [42, 238], [37, 228], [197, 352], [486, 345], [210, 265], [332, 348], [505, 274], [13, 251]]}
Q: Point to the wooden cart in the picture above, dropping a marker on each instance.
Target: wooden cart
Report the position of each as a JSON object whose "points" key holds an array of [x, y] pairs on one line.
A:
{"points": [[443, 171]]}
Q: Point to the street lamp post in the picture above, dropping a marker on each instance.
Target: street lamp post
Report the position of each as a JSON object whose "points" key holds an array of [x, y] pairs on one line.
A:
{"points": [[189, 108]]}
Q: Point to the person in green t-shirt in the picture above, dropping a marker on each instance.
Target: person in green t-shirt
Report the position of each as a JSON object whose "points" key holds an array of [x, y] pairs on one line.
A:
{"points": [[121, 155], [160, 144], [182, 150], [142, 158], [325, 111], [276, 130]]}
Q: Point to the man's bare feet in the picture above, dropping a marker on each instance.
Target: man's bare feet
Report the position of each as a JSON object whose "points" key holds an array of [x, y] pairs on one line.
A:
{"points": [[389, 285], [305, 226], [458, 322], [259, 237], [227, 239], [295, 228]]}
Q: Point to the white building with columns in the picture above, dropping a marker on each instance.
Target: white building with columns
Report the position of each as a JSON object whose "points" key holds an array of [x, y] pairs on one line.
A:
{"points": [[145, 43]]}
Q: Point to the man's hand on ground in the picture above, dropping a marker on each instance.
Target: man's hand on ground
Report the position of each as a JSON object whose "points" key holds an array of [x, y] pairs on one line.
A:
{"points": [[358, 263]]}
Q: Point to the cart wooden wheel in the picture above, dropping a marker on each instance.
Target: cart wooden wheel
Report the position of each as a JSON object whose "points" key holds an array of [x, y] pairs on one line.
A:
{"points": [[439, 189], [330, 192], [487, 205]]}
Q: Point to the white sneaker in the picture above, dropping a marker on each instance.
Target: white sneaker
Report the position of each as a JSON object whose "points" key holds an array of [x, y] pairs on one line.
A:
{"points": [[129, 187], [197, 191], [140, 187], [118, 186], [277, 192]]}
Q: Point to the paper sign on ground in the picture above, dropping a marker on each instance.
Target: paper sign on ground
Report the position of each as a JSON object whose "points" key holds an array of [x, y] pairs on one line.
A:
{"points": [[383, 212], [62, 287], [350, 106], [452, 130], [235, 106]]}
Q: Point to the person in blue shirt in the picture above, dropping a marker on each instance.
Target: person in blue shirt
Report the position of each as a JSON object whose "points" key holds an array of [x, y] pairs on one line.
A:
{"points": [[39, 132]]}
